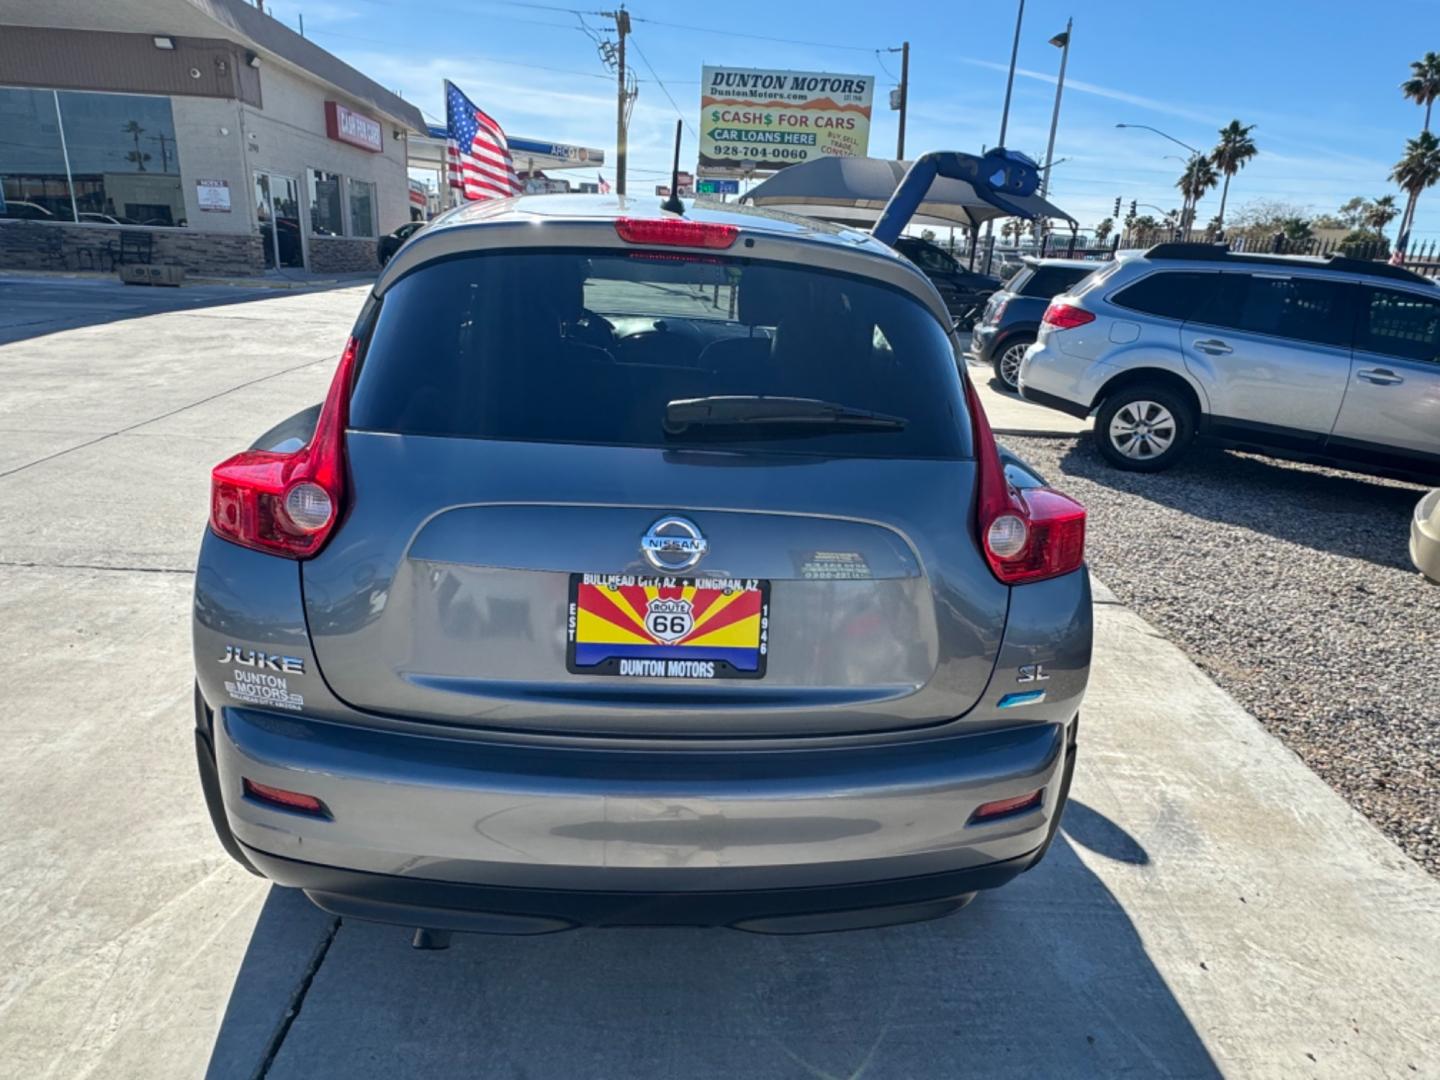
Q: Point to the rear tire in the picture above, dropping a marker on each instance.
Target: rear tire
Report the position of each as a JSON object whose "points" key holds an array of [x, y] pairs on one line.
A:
{"points": [[1007, 361], [1144, 427]]}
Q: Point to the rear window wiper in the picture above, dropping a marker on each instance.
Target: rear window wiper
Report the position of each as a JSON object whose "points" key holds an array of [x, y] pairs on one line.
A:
{"points": [[744, 409]]}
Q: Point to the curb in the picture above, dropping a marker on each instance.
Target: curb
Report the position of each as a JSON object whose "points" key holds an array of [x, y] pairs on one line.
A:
{"points": [[1040, 433]]}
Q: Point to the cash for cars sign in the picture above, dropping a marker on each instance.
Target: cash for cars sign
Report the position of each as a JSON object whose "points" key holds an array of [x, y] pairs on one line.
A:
{"points": [[779, 118]]}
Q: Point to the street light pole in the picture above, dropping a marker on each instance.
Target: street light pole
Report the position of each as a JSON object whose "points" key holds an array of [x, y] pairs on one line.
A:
{"points": [[1010, 79], [1004, 127], [1186, 208], [1061, 42]]}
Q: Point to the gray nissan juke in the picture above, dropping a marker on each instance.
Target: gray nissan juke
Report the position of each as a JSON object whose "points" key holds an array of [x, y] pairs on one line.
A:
{"points": [[640, 568]]}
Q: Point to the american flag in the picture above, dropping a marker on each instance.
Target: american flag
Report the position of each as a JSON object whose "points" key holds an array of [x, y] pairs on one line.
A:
{"points": [[604, 184], [478, 155]]}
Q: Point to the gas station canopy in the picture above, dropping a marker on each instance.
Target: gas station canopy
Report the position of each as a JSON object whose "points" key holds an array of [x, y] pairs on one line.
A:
{"points": [[530, 155]]}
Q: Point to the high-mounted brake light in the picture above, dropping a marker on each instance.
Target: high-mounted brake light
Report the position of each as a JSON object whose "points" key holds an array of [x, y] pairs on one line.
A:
{"points": [[675, 232], [1066, 316], [288, 504], [1026, 535]]}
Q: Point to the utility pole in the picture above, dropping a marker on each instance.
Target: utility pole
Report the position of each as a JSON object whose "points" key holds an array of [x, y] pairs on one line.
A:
{"points": [[622, 28], [904, 97]]}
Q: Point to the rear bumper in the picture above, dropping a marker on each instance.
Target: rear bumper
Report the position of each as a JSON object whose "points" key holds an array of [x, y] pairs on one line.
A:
{"points": [[429, 831], [1052, 401], [982, 341], [490, 909]]}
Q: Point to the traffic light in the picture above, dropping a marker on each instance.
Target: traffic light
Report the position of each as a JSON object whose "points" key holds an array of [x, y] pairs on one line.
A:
{"points": [[1132, 208], [1117, 206]]}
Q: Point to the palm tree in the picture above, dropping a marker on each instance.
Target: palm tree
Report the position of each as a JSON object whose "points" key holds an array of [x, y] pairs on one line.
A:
{"points": [[1198, 178], [1231, 153], [1102, 231], [1416, 171], [1423, 86], [1380, 212]]}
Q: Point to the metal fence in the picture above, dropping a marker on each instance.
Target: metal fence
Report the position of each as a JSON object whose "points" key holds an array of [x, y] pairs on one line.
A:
{"points": [[1423, 258]]}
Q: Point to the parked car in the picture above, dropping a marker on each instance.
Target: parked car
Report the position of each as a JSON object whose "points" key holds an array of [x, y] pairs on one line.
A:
{"points": [[390, 243], [963, 290], [639, 569], [24, 210], [1333, 360], [1011, 319], [1425, 536]]}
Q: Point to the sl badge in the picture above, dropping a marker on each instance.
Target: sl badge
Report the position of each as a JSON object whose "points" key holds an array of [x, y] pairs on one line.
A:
{"points": [[669, 619]]}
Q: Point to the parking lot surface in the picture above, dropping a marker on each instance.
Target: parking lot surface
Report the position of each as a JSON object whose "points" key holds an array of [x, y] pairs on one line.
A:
{"points": [[1212, 906], [1292, 586]]}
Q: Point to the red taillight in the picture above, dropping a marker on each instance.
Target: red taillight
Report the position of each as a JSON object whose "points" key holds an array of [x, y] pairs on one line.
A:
{"points": [[1066, 316], [675, 232], [1001, 807], [290, 800], [287, 504], [1026, 535]]}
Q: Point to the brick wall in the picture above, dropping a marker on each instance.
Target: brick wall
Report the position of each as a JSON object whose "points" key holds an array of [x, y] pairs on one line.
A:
{"points": [[342, 255], [31, 245]]}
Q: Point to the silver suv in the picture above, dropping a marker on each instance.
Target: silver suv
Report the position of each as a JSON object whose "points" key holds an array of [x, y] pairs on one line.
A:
{"points": [[639, 568], [1334, 360]]}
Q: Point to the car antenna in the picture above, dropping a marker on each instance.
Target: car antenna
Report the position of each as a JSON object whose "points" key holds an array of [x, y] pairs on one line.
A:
{"points": [[673, 203]]}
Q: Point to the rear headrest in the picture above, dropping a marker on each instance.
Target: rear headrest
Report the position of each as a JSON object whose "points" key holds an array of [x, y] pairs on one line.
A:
{"points": [[764, 295]]}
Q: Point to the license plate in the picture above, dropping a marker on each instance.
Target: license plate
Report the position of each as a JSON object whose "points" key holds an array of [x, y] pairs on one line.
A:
{"points": [[668, 628]]}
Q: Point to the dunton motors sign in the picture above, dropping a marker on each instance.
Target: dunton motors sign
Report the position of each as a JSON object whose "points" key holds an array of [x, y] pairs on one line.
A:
{"points": [[357, 129]]}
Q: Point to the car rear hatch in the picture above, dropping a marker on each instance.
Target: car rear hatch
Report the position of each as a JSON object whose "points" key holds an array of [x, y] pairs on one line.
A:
{"points": [[643, 493]]}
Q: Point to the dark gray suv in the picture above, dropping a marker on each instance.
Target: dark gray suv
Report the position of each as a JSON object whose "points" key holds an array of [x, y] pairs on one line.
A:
{"points": [[639, 568], [1011, 320]]}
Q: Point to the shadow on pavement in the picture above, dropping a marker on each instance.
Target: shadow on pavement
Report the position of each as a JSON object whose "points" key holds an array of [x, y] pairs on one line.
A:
{"points": [[1095, 832], [32, 307], [1046, 977], [1342, 514]]}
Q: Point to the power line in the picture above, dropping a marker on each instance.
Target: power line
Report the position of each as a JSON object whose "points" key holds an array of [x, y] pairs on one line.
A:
{"points": [[544, 7], [752, 37], [880, 59], [478, 56], [666, 90]]}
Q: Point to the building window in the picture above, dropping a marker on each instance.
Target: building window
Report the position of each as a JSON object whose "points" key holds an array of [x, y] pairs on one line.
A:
{"points": [[362, 208], [326, 210], [124, 168], [33, 180]]}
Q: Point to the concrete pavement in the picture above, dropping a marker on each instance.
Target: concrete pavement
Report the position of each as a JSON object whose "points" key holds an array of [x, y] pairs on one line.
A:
{"points": [[1009, 414], [1211, 908]]}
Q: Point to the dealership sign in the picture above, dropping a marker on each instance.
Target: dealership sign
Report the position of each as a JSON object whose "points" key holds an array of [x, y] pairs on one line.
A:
{"points": [[764, 119], [357, 129]]}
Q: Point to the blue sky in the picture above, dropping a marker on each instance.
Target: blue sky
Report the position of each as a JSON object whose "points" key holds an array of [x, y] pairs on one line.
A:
{"points": [[1319, 81]]}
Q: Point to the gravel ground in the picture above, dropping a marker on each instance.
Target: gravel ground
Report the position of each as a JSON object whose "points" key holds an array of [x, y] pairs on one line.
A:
{"points": [[1291, 585]]}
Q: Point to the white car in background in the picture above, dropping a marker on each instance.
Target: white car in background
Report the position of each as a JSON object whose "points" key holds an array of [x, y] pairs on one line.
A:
{"points": [[1425, 536]]}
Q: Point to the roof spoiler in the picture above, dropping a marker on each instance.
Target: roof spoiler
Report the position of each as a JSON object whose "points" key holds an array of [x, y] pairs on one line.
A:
{"points": [[998, 177]]}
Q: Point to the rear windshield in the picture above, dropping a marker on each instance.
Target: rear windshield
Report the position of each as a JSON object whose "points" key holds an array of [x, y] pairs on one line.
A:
{"points": [[590, 347], [1050, 281]]}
